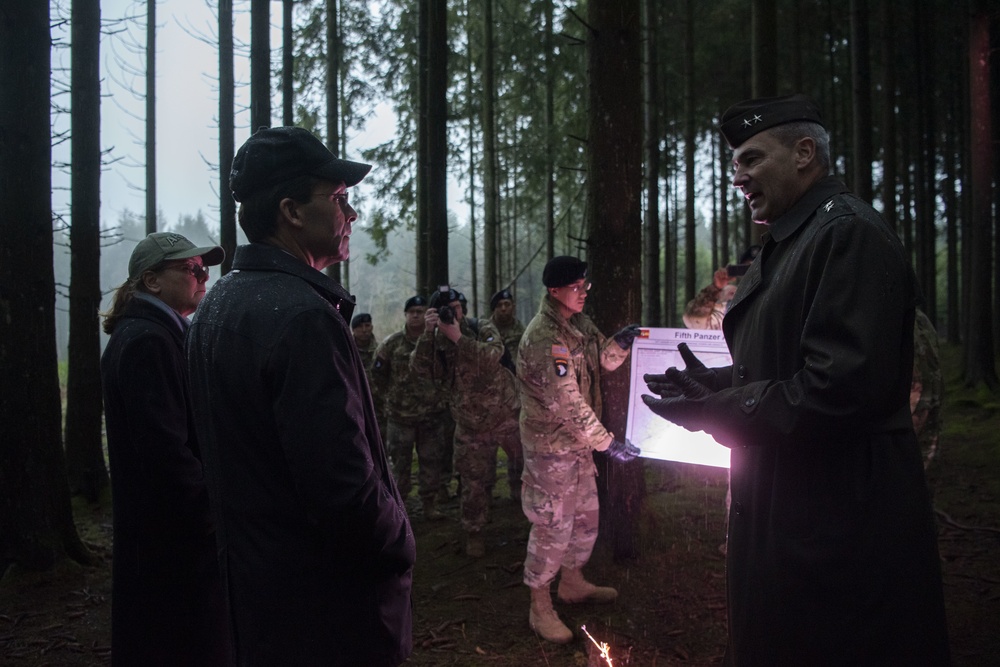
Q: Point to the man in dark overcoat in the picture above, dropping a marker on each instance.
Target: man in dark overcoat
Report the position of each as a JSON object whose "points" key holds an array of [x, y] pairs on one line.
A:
{"points": [[832, 556], [316, 549]]}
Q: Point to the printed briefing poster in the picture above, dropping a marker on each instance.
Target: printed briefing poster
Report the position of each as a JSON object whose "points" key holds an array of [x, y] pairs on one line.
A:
{"points": [[654, 352]]}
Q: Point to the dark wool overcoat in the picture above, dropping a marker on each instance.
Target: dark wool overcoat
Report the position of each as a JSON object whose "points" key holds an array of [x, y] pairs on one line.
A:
{"points": [[832, 555], [166, 603], [316, 548]]}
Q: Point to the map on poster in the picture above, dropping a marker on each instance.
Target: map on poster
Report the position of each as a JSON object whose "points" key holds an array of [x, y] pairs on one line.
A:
{"points": [[654, 352]]}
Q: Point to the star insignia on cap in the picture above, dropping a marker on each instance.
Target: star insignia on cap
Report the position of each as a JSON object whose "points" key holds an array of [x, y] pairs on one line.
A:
{"points": [[747, 122]]}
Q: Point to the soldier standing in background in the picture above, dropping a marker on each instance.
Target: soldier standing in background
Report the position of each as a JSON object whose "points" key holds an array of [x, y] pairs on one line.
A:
{"points": [[483, 401], [927, 387], [415, 411], [502, 317], [364, 337], [559, 364]]}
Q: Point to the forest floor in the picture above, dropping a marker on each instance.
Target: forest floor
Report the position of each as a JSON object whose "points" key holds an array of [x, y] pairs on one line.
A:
{"points": [[671, 609]]}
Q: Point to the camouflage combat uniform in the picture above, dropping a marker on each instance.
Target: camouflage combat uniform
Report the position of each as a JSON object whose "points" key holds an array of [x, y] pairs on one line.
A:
{"points": [[510, 334], [559, 366], [415, 411], [368, 360], [482, 396], [927, 386]]}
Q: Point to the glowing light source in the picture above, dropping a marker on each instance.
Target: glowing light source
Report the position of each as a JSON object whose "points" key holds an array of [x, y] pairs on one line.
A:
{"points": [[654, 352], [603, 647]]}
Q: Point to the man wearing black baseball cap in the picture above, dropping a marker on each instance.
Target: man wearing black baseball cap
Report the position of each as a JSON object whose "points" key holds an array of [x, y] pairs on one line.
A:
{"points": [[832, 552], [311, 526]]}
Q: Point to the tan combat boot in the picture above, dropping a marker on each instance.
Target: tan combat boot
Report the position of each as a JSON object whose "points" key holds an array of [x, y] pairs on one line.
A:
{"points": [[574, 588], [475, 547], [543, 618]]}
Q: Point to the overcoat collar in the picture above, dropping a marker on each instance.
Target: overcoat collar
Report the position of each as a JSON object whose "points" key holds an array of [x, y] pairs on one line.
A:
{"points": [[264, 257]]}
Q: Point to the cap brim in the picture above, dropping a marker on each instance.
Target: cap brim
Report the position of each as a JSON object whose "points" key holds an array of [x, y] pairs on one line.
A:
{"points": [[337, 170], [210, 255]]}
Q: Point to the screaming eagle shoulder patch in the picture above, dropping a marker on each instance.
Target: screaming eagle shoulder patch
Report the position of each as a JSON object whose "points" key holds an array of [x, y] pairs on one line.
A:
{"points": [[560, 358]]}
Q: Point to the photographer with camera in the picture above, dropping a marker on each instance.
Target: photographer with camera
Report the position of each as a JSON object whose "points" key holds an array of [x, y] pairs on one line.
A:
{"points": [[415, 410], [482, 396]]}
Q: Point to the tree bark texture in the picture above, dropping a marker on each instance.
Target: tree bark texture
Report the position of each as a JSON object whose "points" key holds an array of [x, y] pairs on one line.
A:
{"points": [[36, 519], [614, 214], [227, 133], [151, 116], [88, 475], [260, 64], [437, 144]]}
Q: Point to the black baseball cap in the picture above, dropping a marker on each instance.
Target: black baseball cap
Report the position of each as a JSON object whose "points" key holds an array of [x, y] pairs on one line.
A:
{"points": [[273, 155]]}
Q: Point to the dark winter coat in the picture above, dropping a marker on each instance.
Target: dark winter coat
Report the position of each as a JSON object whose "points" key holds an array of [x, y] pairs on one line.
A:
{"points": [[832, 555], [316, 549], [167, 606]]}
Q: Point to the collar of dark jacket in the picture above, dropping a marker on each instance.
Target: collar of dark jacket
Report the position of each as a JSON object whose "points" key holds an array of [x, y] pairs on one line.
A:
{"points": [[264, 257], [803, 209], [146, 310]]}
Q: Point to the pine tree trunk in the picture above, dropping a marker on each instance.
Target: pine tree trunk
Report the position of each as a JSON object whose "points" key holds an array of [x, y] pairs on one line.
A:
{"points": [[491, 187], [260, 64], [437, 144], [227, 133], [614, 214], [651, 111], [151, 116], [36, 519], [84, 454]]}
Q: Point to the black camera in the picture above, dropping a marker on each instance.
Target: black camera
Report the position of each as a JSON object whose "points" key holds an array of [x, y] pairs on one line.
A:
{"points": [[446, 314]]}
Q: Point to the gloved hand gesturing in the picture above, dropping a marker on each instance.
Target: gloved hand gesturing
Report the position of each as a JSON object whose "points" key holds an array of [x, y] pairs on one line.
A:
{"points": [[681, 410], [627, 336], [666, 384], [622, 450]]}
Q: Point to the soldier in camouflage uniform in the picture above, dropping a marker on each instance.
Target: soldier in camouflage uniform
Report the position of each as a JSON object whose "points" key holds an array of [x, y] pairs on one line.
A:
{"points": [[415, 409], [927, 387], [560, 360], [364, 338], [483, 400], [502, 317]]}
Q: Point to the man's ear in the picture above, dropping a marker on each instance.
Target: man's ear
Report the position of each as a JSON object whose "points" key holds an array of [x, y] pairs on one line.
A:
{"points": [[288, 210], [805, 152]]}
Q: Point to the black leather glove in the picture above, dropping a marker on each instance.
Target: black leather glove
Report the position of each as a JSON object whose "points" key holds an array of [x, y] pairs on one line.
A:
{"points": [[622, 450], [681, 410], [627, 336], [693, 369]]}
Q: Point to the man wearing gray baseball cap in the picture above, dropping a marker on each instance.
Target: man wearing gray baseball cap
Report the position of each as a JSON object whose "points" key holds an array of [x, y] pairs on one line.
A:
{"points": [[316, 548]]}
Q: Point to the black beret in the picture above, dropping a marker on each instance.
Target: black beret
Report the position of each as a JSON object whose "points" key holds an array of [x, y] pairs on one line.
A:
{"points": [[745, 119], [273, 155], [563, 270], [500, 296], [444, 296], [359, 319], [414, 301]]}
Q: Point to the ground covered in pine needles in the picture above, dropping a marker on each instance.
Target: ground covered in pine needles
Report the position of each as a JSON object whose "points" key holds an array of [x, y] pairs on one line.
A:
{"points": [[671, 608]]}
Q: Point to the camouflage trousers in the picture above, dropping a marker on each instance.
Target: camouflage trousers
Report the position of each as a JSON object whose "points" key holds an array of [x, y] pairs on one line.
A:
{"points": [[476, 465], [559, 497], [428, 438]]}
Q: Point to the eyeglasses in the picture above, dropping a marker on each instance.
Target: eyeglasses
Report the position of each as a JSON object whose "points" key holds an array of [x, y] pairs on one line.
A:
{"points": [[199, 272], [340, 197], [584, 287]]}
